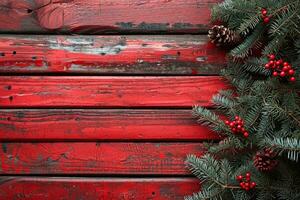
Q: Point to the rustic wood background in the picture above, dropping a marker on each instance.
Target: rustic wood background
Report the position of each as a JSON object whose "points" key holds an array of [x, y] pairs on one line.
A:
{"points": [[96, 97]]}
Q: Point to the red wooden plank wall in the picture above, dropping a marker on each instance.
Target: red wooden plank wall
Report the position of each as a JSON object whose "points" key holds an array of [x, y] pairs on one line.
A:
{"points": [[86, 116], [105, 16]]}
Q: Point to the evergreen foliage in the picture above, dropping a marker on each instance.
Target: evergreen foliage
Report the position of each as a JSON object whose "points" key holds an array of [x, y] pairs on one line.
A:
{"points": [[269, 106]]}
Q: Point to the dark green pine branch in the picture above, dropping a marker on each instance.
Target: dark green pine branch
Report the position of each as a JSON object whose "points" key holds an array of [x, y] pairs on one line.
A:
{"points": [[268, 105]]}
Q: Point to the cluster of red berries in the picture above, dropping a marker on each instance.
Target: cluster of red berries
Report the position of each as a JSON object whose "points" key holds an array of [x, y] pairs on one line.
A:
{"points": [[237, 126], [245, 182], [280, 68], [264, 13]]}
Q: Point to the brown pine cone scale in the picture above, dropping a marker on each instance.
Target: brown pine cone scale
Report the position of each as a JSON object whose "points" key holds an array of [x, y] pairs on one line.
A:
{"points": [[221, 36], [265, 160]]}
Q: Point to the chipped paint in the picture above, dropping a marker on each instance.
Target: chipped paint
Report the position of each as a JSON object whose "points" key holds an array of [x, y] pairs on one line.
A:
{"points": [[92, 16], [87, 158], [4, 147], [86, 46], [98, 188], [110, 54], [100, 125]]}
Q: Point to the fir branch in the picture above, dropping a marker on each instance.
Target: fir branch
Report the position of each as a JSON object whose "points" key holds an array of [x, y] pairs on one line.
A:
{"points": [[256, 65], [281, 113], [270, 107], [208, 118], [223, 102], [249, 23], [253, 40], [207, 169], [207, 194], [291, 146], [229, 143], [280, 25], [273, 47]]}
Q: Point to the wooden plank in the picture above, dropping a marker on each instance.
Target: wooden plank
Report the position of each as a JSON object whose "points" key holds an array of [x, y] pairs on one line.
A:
{"points": [[34, 188], [105, 16], [97, 158], [171, 54], [107, 124], [58, 91]]}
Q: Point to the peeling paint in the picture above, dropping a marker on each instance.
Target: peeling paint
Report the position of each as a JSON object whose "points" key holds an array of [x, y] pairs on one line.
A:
{"points": [[69, 16], [20, 114], [4, 147], [87, 46], [201, 59]]}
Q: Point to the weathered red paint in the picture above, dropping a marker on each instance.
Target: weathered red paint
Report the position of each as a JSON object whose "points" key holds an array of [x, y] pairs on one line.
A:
{"points": [[33, 188], [146, 135], [96, 158], [107, 124], [106, 16], [108, 91], [170, 54]]}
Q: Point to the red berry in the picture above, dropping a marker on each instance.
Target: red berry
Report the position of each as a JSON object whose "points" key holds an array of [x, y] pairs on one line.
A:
{"points": [[291, 72], [237, 118], [248, 178], [242, 184], [292, 79], [253, 184], [282, 74], [272, 57], [285, 68], [246, 134], [248, 174], [278, 62], [285, 64], [234, 130], [227, 122], [239, 178], [231, 124], [271, 62], [267, 66], [266, 20], [264, 12], [239, 127], [275, 73]]}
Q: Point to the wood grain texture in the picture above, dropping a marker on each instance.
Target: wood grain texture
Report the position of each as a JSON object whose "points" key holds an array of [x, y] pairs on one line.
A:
{"points": [[33, 188], [105, 16], [108, 91], [171, 54], [97, 158], [107, 124]]}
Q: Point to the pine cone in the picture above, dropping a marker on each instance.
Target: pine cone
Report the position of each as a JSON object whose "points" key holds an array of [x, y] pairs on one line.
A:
{"points": [[265, 160], [221, 36]]}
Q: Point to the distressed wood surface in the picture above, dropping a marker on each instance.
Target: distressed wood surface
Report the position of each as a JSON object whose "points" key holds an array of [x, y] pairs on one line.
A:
{"points": [[108, 91], [97, 158], [171, 54], [107, 124], [19, 188], [105, 16]]}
